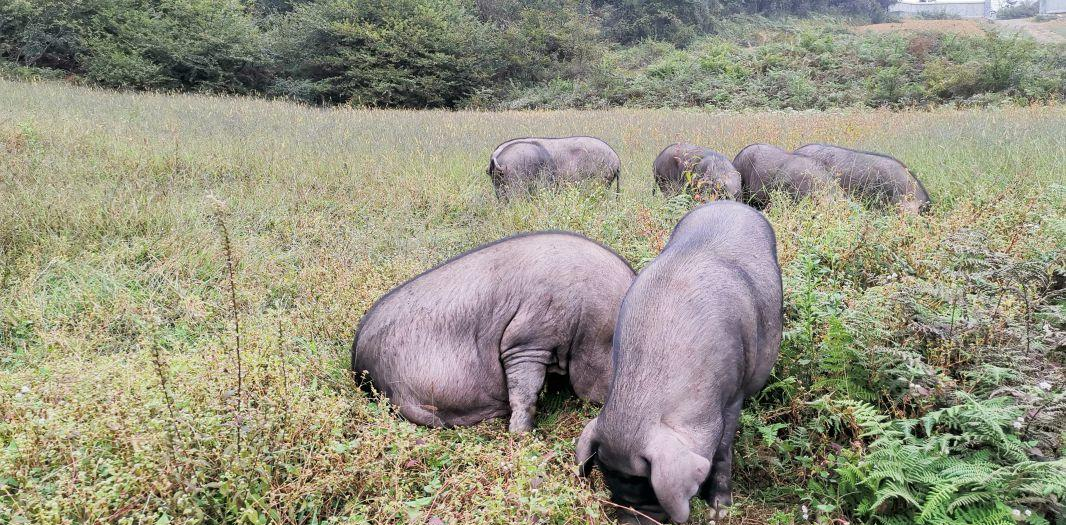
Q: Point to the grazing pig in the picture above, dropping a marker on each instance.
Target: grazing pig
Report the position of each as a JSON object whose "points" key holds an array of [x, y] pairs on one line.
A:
{"points": [[697, 333], [872, 176], [764, 168], [473, 338], [708, 168], [520, 165]]}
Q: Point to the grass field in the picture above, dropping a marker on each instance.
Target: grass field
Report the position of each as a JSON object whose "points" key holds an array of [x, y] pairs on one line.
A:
{"points": [[119, 398]]}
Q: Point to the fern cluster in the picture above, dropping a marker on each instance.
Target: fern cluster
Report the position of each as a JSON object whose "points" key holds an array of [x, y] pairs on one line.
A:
{"points": [[958, 465], [934, 397]]}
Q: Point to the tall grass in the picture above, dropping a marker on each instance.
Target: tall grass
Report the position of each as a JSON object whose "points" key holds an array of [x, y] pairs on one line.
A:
{"points": [[117, 381]]}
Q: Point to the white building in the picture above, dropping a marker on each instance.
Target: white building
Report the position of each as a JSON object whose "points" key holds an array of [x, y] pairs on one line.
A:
{"points": [[1051, 7], [960, 8]]}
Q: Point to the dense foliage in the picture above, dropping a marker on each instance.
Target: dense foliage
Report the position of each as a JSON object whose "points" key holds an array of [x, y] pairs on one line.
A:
{"points": [[381, 52], [203, 45], [813, 67], [509, 53], [680, 21]]}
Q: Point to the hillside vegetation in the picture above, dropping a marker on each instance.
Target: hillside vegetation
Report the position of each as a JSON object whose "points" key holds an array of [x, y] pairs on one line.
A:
{"points": [[812, 65], [154, 247], [514, 54]]}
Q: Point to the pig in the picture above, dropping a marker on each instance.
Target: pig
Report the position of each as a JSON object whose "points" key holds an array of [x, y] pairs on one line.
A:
{"points": [[518, 166], [680, 165], [698, 332], [473, 338], [872, 176], [764, 168]]}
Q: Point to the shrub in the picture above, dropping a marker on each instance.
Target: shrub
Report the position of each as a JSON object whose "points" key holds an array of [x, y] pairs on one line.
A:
{"points": [[410, 53], [13, 71], [1018, 9], [49, 33], [543, 40], [675, 21], [936, 15], [994, 64], [170, 44]]}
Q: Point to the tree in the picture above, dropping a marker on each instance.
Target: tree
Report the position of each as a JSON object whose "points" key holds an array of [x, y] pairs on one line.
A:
{"points": [[386, 53], [210, 45], [677, 21]]}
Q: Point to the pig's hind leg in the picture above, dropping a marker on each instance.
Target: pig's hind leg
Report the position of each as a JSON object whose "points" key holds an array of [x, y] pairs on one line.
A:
{"points": [[421, 415], [431, 416], [525, 367], [717, 490]]}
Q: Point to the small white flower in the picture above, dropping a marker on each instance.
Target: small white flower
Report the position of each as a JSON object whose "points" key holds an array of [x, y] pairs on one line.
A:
{"points": [[26, 389], [804, 509], [1028, 512], [1016, 513], [1017, 425], [1044, 385]]}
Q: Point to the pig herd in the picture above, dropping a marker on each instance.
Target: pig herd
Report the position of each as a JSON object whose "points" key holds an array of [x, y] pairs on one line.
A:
{"points": [[671, 353], [519, 166]]}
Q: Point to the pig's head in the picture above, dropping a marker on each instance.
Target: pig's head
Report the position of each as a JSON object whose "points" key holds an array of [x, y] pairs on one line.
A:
{"points": [[731, 182], [722, 186], [911, 205], [657, 477]]}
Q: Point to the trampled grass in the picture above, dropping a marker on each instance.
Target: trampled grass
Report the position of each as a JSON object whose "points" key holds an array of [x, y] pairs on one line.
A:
{"points": [[118, 400]]}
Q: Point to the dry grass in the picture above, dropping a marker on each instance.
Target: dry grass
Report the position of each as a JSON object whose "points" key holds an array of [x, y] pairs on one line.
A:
{"points": [[960, 27], [1049, 31], [118, 399]]}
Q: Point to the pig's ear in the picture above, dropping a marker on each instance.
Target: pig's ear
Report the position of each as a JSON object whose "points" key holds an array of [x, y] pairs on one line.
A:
{"points": [[676, 473], [586, 448]]}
